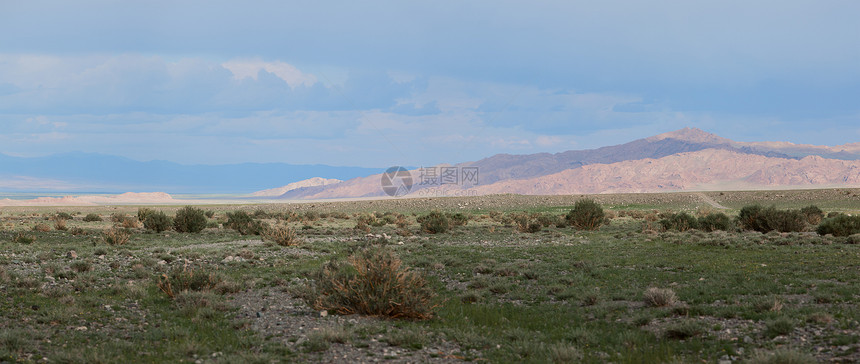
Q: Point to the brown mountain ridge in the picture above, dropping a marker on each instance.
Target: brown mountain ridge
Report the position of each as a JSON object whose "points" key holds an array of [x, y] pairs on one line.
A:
{"points": [[686, 159]]}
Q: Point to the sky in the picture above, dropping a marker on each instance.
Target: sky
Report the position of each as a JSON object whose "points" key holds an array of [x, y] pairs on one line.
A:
{"points": [[414, 83]]}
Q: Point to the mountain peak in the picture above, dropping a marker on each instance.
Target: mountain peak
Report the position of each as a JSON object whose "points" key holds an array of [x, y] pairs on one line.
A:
{"points": [[694, 135]]}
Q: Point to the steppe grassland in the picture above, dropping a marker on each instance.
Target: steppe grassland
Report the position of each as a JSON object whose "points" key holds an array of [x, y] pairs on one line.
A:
{"points": [[628, 292]]}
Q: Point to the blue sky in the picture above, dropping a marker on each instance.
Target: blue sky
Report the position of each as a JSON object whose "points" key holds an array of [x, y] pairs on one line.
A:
{"points": [[375, 84]]}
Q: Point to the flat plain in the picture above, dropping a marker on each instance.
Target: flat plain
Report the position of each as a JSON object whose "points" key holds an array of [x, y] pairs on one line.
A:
{"points": [[630, 292]]}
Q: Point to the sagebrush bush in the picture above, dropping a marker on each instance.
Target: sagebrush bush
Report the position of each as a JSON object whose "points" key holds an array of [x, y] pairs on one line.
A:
{"points": [[813, 214], [42, 228], [749, 218], [116, 236], [659, 297], [755, 217], [22, 238], [715, 221], [63, 215], [586, 215], [189, 219], [143, 213], [435, 222], [92, 218], [281, 235], [373, 282], [681, 221], [117, 217], [244, 223], [525, 223], [684, 330], [786, 220], [458, 219], [60, 225], [130, 223], [842, 225], [184, 279], [157, 221]]}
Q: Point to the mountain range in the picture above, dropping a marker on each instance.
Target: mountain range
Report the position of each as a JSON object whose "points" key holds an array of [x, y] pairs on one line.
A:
{"points": [[686, 159]]}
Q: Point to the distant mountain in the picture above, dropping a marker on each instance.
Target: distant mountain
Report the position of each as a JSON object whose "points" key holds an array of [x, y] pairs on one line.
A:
{"points": [[310, 182], [684, 159], [88, 172], [709, 169]]}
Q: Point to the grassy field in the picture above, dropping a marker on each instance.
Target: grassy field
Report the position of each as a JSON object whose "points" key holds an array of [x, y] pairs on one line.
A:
{"points": [[629, 292]]}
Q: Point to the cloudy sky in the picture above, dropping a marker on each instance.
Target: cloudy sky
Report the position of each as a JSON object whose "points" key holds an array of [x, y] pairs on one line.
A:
{"points": [[415, 83]]}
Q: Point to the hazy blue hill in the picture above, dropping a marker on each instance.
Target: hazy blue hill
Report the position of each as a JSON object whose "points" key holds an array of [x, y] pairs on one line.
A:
{"points": [[99, 172]]}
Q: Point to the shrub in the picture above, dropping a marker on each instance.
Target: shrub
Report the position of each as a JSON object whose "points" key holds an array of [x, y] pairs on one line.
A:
{"points": [[143, 213], [755, 217], [189, 219], [549, 220], [813, 214], [180, 280], [659, 297], [117, 217], [767, 304], [715, 221], [63, 216], [779, 326], [92, 218], [585, 215], [244, 223], [749, 218], [157, 221], [458, 219], [525, 224], [115, 236], [130, 223], [842, 225], [374, 282], [22, 238], [434, 223], [684, 330], [209, 213], [281, 235], [60, 225], [786, 220], [681, 221], [41, 228]]}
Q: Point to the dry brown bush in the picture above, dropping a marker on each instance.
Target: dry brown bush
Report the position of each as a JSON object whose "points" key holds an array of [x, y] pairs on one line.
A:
{"points": [[116, 236], [42, 228], [376, 284], [660, 297], [282, 235]]}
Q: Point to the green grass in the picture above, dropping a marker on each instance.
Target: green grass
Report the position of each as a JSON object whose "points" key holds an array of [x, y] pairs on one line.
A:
{"points": [[558, 295]]}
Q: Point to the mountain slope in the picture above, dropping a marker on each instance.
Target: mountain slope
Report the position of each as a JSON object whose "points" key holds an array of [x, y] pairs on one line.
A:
{"points": [[766, 164], [698, 170], [310, 182], [505, 166]]}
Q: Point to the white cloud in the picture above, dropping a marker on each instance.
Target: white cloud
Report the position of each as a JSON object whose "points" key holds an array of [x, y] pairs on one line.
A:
{"points": [[251, 68], [547, 140]]}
